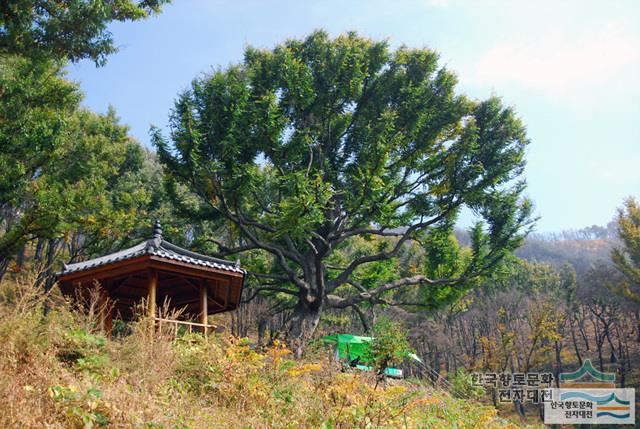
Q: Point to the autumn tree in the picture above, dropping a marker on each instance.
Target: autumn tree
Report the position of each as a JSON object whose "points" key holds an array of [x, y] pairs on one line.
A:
{"points": [[91, 194], [627, 257], [35, 102], [57, 160], [306, 147]]}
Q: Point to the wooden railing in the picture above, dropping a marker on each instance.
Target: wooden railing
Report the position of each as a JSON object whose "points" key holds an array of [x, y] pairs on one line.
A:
{"points": [[205, 328]]}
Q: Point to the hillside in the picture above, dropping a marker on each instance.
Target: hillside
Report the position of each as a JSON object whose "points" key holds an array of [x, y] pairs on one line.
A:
{"points": [[581, 248], [57, 372]]}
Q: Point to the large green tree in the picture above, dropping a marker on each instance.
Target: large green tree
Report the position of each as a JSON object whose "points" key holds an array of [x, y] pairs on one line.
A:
{"points": [[89, 193], [60, 163], [307, 147], [35, 104], [57, 161]]}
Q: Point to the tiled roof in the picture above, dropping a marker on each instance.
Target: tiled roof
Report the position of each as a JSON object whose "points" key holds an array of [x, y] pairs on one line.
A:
{"points": [[156, 247]]}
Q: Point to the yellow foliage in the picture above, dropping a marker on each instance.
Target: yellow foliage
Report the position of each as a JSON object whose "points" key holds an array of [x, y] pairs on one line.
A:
{"points": [[304, 369]]}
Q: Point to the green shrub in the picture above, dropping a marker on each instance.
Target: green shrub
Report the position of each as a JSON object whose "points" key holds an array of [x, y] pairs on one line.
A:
{"points": [[389, 346], [84, 409]]}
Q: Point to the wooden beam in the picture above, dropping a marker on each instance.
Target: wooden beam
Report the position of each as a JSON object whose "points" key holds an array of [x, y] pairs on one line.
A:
{"points": [[193, 299], [198, 271], [204, 312], [236, 295], [167, 276], [127, 291], [141, 263], [214, 296], [216, 302], [173, 283], [106, 312], [194, 285], [119, 284]]}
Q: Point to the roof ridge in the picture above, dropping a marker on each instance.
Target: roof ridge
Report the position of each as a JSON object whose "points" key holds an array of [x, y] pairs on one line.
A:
{"points": [[191, 254], [140, 246]]}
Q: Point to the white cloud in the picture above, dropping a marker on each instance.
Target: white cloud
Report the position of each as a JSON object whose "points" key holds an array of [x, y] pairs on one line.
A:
{"points": [[564, 65]]}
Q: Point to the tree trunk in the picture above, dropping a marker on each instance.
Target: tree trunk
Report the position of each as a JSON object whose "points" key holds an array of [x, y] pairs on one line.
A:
{"points": [[558, 347], [575, 343], [20, 257], [302, 325], [583, 332], [262, 328]]}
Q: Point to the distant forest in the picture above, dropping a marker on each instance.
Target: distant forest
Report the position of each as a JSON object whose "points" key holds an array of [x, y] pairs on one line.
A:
{"points": [[581, 248]]}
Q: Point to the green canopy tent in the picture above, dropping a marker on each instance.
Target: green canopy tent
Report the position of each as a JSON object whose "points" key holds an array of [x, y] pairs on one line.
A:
{"points": [[355, 348]]}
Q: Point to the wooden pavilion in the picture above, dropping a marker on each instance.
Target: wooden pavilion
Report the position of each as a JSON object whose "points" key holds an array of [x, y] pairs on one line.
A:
{"points": [[159, 272]]}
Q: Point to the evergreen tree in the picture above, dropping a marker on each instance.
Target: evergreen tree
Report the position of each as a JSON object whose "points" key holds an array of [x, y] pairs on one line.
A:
{"points": [[307, 147]]}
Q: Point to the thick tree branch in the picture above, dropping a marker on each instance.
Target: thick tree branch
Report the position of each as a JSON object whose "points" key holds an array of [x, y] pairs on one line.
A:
{"points": [[257, 291], [408, 234], [335, 301], [225, 251], [281, 254]]}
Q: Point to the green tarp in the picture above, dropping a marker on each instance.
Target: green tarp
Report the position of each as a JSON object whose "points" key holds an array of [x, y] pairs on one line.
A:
{"points": [[351, 347]]}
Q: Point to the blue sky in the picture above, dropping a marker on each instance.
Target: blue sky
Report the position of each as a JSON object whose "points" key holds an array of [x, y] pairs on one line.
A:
{"points": [[571, 69]]}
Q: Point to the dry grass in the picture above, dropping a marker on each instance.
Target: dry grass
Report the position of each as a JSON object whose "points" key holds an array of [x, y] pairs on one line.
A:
{"points": [[58, 371]]}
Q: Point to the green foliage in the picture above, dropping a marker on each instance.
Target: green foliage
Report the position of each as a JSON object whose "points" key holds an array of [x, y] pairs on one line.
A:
{"points": [[67, 170], [530, 278], [321, 146], [389, 346], [68, 29], [112, 185], [86, 353], [36, 102], [83, 408], [67, 173], [64, 171]]}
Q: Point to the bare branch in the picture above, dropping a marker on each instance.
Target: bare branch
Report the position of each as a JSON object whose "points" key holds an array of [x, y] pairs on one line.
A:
{"points": [[281, 254], [383, 232], [313, 247]]}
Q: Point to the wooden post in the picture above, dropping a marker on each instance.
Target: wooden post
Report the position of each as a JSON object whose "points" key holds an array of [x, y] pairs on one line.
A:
{"points": [[106, 312], [151, 297], [203, 305]]}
